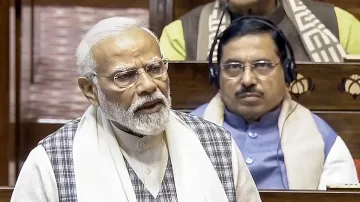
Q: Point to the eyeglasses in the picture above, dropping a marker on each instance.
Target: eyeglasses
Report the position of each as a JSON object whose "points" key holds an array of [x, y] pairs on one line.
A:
{"points": [[234, 69], [129, 77]]}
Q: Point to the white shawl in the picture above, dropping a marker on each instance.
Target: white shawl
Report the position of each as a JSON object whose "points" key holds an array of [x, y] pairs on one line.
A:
{"points": [[300, 140], [101, 174]]}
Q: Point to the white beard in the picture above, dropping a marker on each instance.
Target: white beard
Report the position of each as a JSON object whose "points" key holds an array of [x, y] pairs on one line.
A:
{"points": [[144, 124]]}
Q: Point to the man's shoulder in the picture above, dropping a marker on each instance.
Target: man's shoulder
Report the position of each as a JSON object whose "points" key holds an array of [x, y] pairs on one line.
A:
{"points": [[62, 135], [203, 127]]}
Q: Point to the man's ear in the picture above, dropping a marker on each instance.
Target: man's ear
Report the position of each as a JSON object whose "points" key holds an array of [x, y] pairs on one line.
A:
{"points": [[89, 90]]}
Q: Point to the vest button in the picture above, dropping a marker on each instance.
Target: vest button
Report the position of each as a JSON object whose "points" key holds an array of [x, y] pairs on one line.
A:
{"points": [[142, 144], [249, 160], [253, 135]]}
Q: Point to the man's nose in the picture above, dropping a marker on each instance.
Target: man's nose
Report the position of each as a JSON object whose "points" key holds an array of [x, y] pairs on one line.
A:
{"points": [[248, 77], [145, 84]]}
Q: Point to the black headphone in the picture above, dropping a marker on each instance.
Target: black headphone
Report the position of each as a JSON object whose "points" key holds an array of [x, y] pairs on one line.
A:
{"points": [[288, 64]]}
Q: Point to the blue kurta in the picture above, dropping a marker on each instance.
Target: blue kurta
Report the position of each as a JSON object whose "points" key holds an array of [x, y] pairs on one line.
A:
{"points": [[259, 144]]}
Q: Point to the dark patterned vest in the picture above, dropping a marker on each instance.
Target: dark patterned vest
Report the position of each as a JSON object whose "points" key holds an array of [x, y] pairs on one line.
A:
{"points": [[167, 190], [216, 141]]}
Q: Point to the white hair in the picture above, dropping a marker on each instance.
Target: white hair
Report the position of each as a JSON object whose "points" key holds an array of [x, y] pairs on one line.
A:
{"points": [[103, 29]]}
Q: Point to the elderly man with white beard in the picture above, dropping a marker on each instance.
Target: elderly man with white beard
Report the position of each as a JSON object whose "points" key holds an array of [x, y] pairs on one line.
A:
{"points": [[129, 145]]}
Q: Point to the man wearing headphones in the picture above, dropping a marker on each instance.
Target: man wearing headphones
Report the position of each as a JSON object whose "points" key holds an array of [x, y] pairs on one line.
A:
{"points": [[284, 145], [319, 32]]}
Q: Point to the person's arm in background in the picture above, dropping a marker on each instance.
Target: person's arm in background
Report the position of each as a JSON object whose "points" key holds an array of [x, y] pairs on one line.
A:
{"points": [[172, 42], [349, 29]]}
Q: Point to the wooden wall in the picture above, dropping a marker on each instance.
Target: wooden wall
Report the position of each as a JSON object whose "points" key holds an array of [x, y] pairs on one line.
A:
{"points": [[93, 3], [4, 89]]}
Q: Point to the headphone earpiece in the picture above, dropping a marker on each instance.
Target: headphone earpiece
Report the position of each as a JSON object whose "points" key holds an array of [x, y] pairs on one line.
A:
{"points": [[214, 75], [290, 72]]}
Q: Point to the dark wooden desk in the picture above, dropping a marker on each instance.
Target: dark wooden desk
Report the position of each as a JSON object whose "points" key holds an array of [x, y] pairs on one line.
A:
{"points": [[267, 196], [309, 196]]}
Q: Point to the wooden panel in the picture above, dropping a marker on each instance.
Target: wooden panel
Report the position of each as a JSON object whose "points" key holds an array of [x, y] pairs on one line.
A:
{"points": [[5, 194], [32, 133], [93, 3], [346, 125], [191, 79], [181, 7], [161, 12], [4, 89], [309, 196]]}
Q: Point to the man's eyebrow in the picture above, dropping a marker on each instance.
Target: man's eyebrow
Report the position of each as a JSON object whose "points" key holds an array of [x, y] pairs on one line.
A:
{"points": [[123, 68], [119, 69], [153, 61], [262, 59], [230, 60]]}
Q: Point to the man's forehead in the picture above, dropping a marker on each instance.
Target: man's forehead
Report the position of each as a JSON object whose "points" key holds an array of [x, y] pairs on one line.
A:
{"points": [[250, 47], [133, 49], [135, 41], [133, 35], [257, 40]]}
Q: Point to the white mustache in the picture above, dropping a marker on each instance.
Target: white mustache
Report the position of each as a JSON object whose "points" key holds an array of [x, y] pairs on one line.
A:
{"points": [[145, 99]]}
